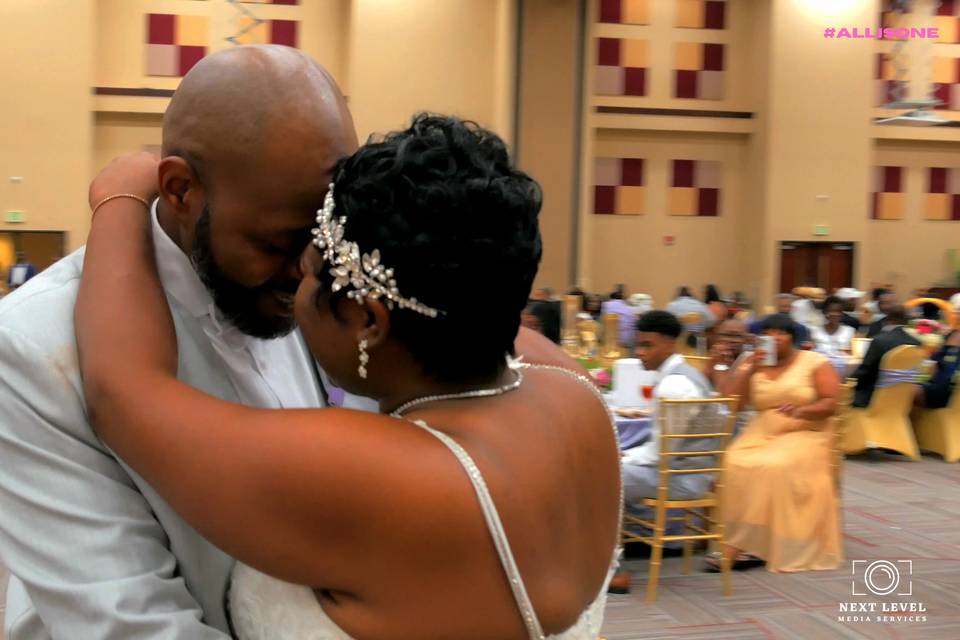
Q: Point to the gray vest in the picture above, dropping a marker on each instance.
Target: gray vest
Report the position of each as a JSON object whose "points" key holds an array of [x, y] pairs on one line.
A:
{"points": [[708, 419]]}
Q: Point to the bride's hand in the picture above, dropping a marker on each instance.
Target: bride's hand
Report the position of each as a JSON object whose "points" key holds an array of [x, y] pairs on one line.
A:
{"points": [[135, 173]]}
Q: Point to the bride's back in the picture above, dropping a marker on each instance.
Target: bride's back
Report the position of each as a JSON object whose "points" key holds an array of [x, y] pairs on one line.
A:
{"points": [[549, 457]]}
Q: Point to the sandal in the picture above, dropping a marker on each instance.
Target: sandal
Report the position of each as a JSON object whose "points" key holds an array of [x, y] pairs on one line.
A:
{"points": [[742, 562]]}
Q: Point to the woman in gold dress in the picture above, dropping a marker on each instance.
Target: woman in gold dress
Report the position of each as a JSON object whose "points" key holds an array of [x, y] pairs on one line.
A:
{"points": [[779, 499]]}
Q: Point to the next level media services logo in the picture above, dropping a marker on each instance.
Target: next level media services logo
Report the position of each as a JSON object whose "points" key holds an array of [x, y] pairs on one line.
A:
{"points": [[883, 578]]}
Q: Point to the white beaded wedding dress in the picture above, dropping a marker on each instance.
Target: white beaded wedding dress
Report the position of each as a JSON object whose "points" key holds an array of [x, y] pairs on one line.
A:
{"points": [[264, 608]]}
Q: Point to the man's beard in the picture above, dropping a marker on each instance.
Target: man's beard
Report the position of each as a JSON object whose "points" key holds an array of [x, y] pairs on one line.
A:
{"points": [[237, 303]]}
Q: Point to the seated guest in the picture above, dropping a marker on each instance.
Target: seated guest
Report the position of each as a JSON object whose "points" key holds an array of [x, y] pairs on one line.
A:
{"points": [[937, 391], [543, 316], [834, 338], [885, 301], [627, 318], [728, 351], [891, 335], [643, 303], [849, 297], [738, 304], [779, 500], [784, 305], [730, 338], [20, 272], [686, 305], [711, 297], [657, 333], [804, 308], [592, 305], [872, 307]]}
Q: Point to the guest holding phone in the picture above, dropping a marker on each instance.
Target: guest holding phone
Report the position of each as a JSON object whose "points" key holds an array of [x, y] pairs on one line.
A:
{"points": [[779, 500]]}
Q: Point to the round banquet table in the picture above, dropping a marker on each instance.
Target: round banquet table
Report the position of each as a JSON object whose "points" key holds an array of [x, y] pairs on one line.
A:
{"points": [[633, 431]]}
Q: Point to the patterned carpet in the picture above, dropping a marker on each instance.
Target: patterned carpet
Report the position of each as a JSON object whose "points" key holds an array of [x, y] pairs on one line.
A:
{"points": [[894, 510]]}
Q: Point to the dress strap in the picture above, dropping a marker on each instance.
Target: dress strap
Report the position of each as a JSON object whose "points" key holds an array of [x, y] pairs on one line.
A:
{"points": [[496, 531]]}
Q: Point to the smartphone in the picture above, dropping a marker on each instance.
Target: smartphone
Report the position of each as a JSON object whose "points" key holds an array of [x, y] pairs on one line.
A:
{"points": [[769, 345]]}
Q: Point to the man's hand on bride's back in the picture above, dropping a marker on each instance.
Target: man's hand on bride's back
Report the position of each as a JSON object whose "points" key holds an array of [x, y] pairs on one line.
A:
{"points": [[135, 173]]}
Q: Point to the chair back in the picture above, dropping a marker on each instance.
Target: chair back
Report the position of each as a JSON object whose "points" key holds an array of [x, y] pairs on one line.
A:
{"points": [[954, 405], [897, 366], [838, 424], [693, 321], [698, 362], [694, 324], [693, 437]]}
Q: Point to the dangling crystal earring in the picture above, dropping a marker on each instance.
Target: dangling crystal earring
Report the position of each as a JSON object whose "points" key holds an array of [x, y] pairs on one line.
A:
{"points": [[364, 359]]}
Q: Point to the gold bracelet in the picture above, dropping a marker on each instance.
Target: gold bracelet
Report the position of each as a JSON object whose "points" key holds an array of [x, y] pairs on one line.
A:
{"points": [[120, 195]]}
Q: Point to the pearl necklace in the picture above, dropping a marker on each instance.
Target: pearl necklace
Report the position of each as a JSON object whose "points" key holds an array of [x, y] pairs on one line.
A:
{"points": [[476, 393]]}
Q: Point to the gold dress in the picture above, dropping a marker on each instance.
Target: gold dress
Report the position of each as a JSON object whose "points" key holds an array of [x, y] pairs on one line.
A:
{"points": [[779, 497]]}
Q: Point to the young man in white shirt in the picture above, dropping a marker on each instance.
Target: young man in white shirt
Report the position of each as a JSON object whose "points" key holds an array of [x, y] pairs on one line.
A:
{"points": [[657, 333]]}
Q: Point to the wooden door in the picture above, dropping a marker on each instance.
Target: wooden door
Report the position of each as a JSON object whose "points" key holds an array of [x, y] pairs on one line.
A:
{"points": [[828, 265]]}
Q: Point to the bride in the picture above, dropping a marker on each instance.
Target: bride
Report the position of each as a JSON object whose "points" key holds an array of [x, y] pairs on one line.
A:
{"points": [[483, 501]]}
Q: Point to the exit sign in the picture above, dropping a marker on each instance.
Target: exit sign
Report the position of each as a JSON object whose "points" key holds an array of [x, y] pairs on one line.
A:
{"points": [[16, 216], [821, 230]]}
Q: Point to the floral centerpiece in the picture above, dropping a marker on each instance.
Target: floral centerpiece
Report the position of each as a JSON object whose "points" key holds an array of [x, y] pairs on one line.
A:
{"points": [[602, 374]]}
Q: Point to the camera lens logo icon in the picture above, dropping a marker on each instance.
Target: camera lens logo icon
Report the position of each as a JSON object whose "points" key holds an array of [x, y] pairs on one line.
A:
{"points": [[881, 577]]}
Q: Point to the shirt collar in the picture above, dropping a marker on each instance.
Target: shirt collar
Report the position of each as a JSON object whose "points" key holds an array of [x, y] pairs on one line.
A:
{"points": [[177, 274], [671, 363]]}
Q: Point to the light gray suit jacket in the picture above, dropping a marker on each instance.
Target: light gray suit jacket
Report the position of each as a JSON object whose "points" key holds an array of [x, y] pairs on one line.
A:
{"points": [[95, 553]]}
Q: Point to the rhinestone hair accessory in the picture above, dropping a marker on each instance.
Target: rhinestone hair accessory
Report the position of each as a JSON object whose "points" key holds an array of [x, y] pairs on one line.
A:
{"points": [[364, 273]]}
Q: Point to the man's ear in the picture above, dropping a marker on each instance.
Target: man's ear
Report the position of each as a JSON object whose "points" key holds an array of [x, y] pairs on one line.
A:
{"points": [[181, 190]]}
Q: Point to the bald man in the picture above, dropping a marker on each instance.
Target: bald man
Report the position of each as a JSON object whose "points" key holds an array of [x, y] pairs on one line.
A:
{"points": [[249, 141]]}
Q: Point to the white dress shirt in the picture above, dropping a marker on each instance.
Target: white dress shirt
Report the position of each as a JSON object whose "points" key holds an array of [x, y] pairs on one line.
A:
{"points": [[832, 344], [670, 387]]}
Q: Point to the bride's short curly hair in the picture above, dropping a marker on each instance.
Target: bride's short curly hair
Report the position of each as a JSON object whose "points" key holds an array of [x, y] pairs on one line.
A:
{"points": [[457, 222]]}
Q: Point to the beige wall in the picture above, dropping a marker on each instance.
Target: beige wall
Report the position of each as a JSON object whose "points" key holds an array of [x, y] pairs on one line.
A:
{"points": [[547, 126], [116, 134], [121, 34], [661, 36], [912, 253], [818, 146], [447, 57], [722, 251], [631, 249], [46, 65], [422, 55], [804, 160]]}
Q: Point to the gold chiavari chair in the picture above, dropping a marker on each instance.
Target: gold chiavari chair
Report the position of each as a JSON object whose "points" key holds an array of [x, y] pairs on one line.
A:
{"points": [[680, 422], [839, 426], [938, 430], [683, 342], [885, 424], [698, 362]]}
